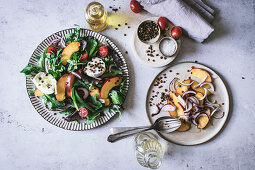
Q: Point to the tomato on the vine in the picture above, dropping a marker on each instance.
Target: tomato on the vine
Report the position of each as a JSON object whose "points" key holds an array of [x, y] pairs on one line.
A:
{"points": [[135, 6], [176, 32], [163, 23]]}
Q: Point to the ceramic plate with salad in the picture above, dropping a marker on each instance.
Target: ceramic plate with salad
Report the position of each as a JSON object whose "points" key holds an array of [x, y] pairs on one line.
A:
{"points": [[193, 93], [77, 79]]}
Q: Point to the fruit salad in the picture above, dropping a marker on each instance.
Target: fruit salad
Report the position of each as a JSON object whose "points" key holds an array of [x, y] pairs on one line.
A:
{"points": [[189, 101], [78, 77]]}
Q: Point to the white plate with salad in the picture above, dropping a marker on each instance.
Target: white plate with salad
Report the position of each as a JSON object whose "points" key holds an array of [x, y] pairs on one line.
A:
{"points": [[77, 79], [193, 93]]}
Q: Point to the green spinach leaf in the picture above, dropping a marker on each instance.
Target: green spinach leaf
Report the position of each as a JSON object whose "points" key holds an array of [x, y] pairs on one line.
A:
{"points": [[122, 85], [52, 101], [30, 69], [73, 36], [54, 62], [91, 46], [116, 98], [97, 103]]}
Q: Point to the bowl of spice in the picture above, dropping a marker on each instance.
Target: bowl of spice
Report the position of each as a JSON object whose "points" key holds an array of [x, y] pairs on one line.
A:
{"points": [[168, 46], [148, 32]]}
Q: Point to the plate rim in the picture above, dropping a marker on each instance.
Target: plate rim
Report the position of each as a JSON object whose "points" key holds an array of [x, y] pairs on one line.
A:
{"points": [[63, 124], [226, 113]]}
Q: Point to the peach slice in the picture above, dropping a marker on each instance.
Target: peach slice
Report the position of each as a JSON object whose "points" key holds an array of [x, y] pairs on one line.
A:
{"points": [[61, 88], [200, 89], [38, 93], [199, 96], [179, 109], [108, 85], [68, 51], [172, 113], [202, 122], [184, 126], [200, 73], [94, 90], [181, 88]]}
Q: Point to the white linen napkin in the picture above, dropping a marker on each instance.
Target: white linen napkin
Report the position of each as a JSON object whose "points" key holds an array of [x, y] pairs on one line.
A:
{"points": [[192, 15]]}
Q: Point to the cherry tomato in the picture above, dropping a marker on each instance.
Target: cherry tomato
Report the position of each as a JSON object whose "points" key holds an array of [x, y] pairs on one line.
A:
{"points": [[103, 51], [83, 111], [52, 49], [176, 32], [135, 6], [163, 23], [84, 57]]}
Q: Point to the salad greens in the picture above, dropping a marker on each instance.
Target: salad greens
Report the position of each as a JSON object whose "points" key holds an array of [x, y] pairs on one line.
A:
{"points": [[73, 36], [116, 98], [74, 87], [54, 63], [52, 101], [97, 103], [30, 69]]}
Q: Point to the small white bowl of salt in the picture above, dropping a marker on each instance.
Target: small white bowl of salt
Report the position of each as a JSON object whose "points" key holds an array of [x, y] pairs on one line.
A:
{"points": [[168, 46]]}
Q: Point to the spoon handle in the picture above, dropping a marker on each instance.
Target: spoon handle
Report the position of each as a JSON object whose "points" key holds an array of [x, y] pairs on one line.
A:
{"points": [[115, 130], [120, 135]]}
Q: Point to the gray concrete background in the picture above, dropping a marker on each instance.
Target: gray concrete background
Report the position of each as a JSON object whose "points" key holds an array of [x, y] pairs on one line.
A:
{"points": [[27, 141]]}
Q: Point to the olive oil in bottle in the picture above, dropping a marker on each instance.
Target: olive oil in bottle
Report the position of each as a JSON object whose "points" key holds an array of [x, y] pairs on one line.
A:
{"points": [[96, 16]]}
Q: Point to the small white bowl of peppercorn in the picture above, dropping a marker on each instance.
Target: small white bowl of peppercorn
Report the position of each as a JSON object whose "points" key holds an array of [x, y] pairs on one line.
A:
{"points": [[148, 32]]}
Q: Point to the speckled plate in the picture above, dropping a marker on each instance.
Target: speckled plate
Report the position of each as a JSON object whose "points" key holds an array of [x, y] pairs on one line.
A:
{"points": [[56, 119], [139, 48], [191, 137]]}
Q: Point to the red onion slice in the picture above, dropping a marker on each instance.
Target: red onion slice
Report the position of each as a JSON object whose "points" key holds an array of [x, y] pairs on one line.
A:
{"points": [[187, 84], [215, 110], [168, 107], [208, 101], [85, 91], [204, 94], [201, 82], [193, 99], [210, 84], [182, 101], [171, 85], [188, 106], [156, 111], [110, 67], [189, 92], [76, 75], [223, 113]]}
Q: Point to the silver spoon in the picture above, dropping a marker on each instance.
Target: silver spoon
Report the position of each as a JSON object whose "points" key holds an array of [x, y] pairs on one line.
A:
{"points": [[164, 124]]}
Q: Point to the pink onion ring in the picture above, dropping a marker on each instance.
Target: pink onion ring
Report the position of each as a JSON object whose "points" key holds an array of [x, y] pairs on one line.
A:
{"points": [[223, 113], [182, 101], [188, 106], [201, 82], [215, 110], [187, 84], [85, 91], [189, 92], [204, 94], [156, 111], [110, 67], [171, 85], [168, 107], [210, 84], [76, 75], [193, 99]]}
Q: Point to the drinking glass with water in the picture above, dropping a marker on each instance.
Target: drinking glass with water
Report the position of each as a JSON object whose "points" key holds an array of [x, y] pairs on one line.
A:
{"points": [[149, 151]]}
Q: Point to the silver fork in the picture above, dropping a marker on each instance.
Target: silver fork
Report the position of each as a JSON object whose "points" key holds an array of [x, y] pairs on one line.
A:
{"points": [[164, 124]]}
